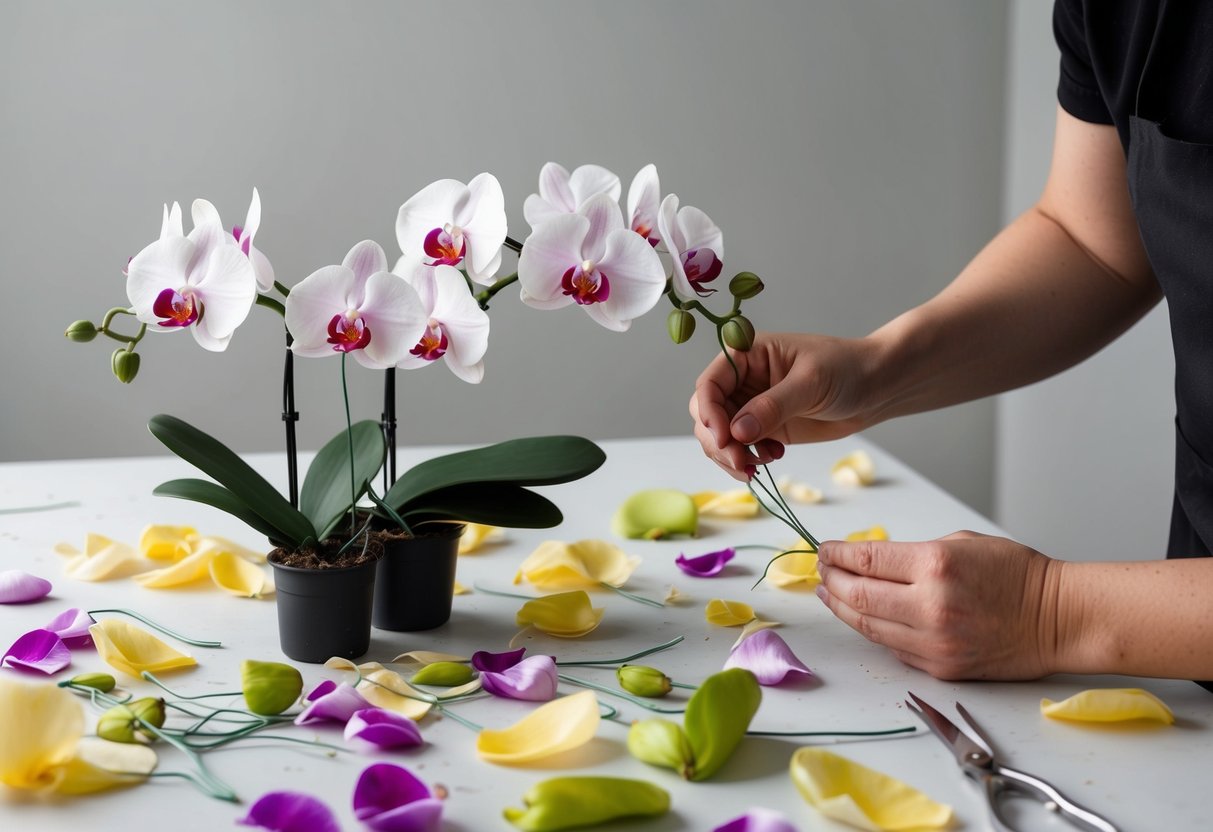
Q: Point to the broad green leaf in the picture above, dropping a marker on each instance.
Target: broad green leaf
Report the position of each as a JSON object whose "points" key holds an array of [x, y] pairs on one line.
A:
{"points": [[493, 504], [325, 495], [536, 460], [718, 716], [219, 462], [208, 493]]}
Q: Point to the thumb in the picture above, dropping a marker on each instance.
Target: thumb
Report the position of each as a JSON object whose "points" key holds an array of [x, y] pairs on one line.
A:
{"points": [[764, 414]]}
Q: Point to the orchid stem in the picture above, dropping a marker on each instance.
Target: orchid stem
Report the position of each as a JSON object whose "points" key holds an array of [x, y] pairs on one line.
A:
{"points": [[46, 507], [349, 436], [503, 594], [909, 729], [147, 674], [271, 304], [631, 596], [484, 296], [160, 627], [683, 685], [466, 723], [763, 577], [606, 662]]}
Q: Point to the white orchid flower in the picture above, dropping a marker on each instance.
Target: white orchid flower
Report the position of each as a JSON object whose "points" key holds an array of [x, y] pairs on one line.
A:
{"points": [[456, 330], [590, 258], [695, 245], [202, 282], [563, 193], [358, 307], [644, 201], [244, 236], [448, 223]]}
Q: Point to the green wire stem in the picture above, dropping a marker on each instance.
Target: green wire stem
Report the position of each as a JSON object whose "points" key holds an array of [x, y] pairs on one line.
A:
{"points": [[170, 633]]}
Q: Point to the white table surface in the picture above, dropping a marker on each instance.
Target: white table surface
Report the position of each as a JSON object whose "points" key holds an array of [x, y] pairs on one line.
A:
{"points": [[1142, 778]]}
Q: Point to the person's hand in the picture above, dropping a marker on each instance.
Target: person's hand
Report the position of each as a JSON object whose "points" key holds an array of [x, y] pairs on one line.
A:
{"points": [[967, 606], [792, 388]]}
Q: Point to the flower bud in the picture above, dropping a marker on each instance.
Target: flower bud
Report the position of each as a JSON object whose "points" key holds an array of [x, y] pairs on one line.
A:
{"points": [[643, 681], [681, 325], [269, 687], [663, 743], [443, 674], [117, 724], [149, 709], [98, 681], [738, 333], [81, 332], [125, 365], [745, 285]]}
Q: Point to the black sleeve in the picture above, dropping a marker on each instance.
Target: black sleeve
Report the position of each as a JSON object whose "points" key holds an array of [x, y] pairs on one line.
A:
{"points": [[1077, 87]]}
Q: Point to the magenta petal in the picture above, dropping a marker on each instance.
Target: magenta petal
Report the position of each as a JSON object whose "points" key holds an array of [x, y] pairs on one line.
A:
{"points": [[768, 657], [290, 812], [496, 662], [39, 650], [377, 728], [72, 625], [331, 702], [390, 798], [17, 587], [705, 566], [532, 679], [758, 820]]}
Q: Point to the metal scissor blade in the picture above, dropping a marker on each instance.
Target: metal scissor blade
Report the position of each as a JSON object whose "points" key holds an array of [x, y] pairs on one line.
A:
{"points": [[968, 753], [975, 733]]}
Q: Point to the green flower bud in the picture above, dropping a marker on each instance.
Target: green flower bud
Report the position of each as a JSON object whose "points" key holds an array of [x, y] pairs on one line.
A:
{"points": [[81, 332], [269, 687], [98, 681], [643, 681], [576, 802], [660, 742], [738, 333], [125, 365], [444, 674], [681, 325], [117, 724], [745, 285], [149, 709]]}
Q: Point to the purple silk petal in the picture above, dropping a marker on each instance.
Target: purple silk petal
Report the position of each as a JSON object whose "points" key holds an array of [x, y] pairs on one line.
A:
{"points": [[331, 702], [496, 662], [17, 587], [768, 657], [290, 812], [39, 650], [705, 566], [758, 820], [72, 625], [375, 728], [389, 798], [532, 679]]}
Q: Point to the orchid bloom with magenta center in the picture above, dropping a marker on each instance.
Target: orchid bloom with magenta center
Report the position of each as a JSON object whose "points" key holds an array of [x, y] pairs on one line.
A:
{"points": [[448, 223], [695, 244], [561, 192], [456, 328]]}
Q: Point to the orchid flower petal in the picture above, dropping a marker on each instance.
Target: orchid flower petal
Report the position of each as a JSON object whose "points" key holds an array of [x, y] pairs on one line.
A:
{"points": [[331, 702], [390, 798], [656, 513], [547, 254], [239, 577], [40, 727], [862, 797], [187, 570], [290, 812], [477, 535], [485, 226], [387, 689], [554, 187], [705, 566], [100, 764], [753, 627], [396, 317], [768, 657], [532, 679], [312, 304], [637, 280], [375, 728], [564, 615], [167, 542], [160, 265], [102, 558], [644, 199], [18, 587], [560, 725], [728, 613], [798, 566], [588, 181], [170, 224], [586, 563], [483, 660], [132, 650], [758, 820], [40, 650], [1109, 705], [854, 469], [71, 625], [739, 502], [874, 533], [227, 289], [365, 259]]}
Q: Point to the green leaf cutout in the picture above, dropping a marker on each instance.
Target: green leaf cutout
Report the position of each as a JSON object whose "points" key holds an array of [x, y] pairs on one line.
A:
{"points": [[208, 493], [325, 495], [718, 716], [494, 504]]}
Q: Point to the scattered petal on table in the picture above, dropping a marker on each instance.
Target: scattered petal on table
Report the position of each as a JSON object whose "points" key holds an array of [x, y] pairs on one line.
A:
{"points": [[874, 533], [170, 543], [476, 535], [854, 469], [728, 613], [132, 650], [290, 812], [674, 595], [387, 689], [40, 727], [72, 625], [377, 729], [420, 658], [758, 820], [847, 791], [443, 675], [768, 657], [189, 568], [331, 702], [100, 764], [101, 558], [656, 513], [753, 627], [795, 567], [1109, 705], [269, 687], [40, 650], [532, 679], [705, 566], [460, 589], [565, 614], [222, 544], [738, 503], [484, 660], [18, 587], [390, 798], [560, 725], [581, 802], [799, 492], [586, 563], [237, 576]]}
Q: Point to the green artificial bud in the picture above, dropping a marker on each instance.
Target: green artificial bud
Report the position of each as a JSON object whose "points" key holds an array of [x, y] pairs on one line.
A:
{"points": [[745, 285], [444, 674], [269, 687], [125, 723], [81, 332], [656, 513], [149, 709], [98, 681], [643, 681], [738, 333], [681, 325], [575, 802], [125, 365], [717, 717], [660, 742]]}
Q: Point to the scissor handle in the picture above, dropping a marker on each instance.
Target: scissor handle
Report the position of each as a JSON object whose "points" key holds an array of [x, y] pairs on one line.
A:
{"points": [[1004, 779]]}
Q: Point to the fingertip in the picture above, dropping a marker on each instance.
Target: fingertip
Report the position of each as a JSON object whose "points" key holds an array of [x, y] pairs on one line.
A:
{"points": [[746, 428], [823, 594]]}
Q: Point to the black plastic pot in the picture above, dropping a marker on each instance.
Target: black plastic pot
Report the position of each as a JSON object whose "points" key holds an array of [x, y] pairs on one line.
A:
{"points": [[325, 612], [416, 580]]}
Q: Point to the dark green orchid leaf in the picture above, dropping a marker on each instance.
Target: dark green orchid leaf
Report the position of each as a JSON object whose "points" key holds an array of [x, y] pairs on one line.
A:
{"points": [[208, 493], [494, 504], [325, 495], [220, 463], [536, 460]]}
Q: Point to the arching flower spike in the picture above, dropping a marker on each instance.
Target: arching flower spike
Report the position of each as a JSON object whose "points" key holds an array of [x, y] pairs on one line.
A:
{"points": [[695, 245], [456, 330], [563, 193], [448, 223], [644, 201]]}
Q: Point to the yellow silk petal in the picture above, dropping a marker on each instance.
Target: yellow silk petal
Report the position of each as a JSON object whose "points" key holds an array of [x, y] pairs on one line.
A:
{"points": [[865, 798], [222, 544], [460, 589], [560, 725], [102, 558], [190, 568], [131, 650], [237, 576], [100, 764], [738, 503], [795, 568], [874, 533], [40, 726], [800, 492], [388, 690], [476, 535], [674, 595], [854, 469], [1109, 705], [421, 658], [565, 614], [728, 613], [586, 563], [167, 542], [753, 627]]}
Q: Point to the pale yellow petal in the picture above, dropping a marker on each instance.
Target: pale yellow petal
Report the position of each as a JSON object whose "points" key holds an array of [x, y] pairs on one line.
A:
{"points": [[236, 575], [40, 726], [420, 658], [753, 627], [586, 563], [801, 493], [854, 469], [674, 595], [462, 690], [187, 570], [388, 690], [476, 535], [862, 797], [560, 725], [874, 533], [738, 503], [728, 613], [797, 567], [167, 542], [100, 764], [102, 558], [222, 544], [1109, 705], [132, 650], [67, 550], [565, 614], [460, 589]]}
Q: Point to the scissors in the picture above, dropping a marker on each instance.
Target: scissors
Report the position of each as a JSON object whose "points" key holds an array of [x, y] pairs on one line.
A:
{"points": [[977, 760]]}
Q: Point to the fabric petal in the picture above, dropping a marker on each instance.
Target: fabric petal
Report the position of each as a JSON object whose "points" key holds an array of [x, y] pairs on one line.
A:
{"points": [[1109, 705], [187, 570], [477, 535], [159, 542], [874, 533], [364, 259], [586, 563], [390, 798], [71, 624], [768, 657], [564, 615], [102, 558], [705, 566], [483, 660], [656, 513], [132, 650], [795, 567], [40, 727], [758, 820], [854, 469], [18, 587], [100, 764], [375, 728], [421, 658], [532, 679], [387, 689], [865, 798], [40, 650], [560, 725], [290, 812], [737, 503], [237, 576], [728, 613], [547, 254], [330, 702]]}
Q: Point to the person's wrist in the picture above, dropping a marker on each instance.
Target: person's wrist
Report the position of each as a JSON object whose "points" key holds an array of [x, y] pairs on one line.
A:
{"points": [[1077, 645]]}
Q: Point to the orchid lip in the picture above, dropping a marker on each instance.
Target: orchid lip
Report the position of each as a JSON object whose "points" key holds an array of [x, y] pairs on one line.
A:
{"points": [[446, 245], [175, 309], [585, 284], [433, 344], [701, 266], [349, 332]]}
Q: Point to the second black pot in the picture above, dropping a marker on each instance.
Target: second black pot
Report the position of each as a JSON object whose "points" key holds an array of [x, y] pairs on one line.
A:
{"points": [[416, 580]]}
